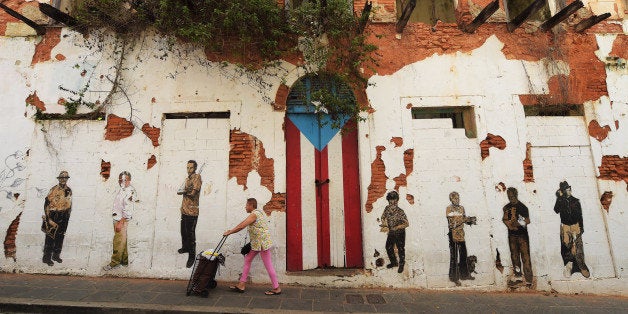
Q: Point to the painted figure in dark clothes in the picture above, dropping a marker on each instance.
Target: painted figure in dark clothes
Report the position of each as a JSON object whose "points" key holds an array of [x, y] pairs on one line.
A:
{"points": [[189, 212], [395, 222], [571, 230], [456, 218], [57, 208], [517, 218]]}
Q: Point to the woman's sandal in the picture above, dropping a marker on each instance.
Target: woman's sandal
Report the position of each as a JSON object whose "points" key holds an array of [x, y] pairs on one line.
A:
{"points": [[271, 292], [236, 289]]}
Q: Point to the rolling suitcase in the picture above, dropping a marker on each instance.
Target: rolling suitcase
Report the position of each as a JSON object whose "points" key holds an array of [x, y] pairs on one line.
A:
{"points": [[204, 271]]}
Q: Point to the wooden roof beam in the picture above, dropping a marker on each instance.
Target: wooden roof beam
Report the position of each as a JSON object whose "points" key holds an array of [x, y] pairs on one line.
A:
{"points": [[584, 25], [40, 30], [482, 17], [525, 14], [562, 15]]}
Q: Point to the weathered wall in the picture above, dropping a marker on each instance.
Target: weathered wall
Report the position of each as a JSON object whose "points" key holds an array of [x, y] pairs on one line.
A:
{"points": [[244, 155]]}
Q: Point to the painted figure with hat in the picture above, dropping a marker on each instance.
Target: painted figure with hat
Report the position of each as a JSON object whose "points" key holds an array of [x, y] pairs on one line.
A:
{"points": [[57, 208], [571, 230]]}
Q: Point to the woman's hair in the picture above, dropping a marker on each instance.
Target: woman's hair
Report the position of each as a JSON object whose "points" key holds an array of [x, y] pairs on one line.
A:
{"points": [[124, 173], [252, 201]]}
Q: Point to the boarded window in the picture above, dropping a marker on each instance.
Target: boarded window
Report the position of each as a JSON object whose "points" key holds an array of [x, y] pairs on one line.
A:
{"points": [[429, 11], [562, 110], [461, 117]]}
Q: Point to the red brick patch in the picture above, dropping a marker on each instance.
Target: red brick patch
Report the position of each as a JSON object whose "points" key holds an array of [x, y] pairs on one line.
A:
{"points": [[151, 162], [33, 100], [9, 240], [105, 169], [152, 133], [606, 200], [118, 128], [491, 141], [598, 132], [377, 187], [247, 154]]}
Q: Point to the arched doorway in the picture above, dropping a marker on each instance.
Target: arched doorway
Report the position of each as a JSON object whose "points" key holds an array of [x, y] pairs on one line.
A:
{"points": [[323, 193]]}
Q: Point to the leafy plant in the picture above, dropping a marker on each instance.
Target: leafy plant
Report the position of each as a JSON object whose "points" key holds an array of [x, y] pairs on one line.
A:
{"points": [[327, 33]]}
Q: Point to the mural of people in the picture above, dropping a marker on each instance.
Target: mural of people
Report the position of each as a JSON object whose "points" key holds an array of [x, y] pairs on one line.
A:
{"points": [[395, 222], [571, 230], [517, 218], [456, 218], [123, 206], [189, 211], [57, 208]]}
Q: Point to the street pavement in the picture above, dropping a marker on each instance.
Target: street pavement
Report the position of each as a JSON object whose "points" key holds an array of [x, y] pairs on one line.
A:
{"points": [[32, 293]]}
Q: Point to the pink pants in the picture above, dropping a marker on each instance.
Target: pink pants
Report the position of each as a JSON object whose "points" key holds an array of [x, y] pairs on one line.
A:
{"points": [[267, 263]]}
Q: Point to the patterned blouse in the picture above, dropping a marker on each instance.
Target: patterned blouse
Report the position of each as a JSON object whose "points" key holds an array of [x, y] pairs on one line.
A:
{"points": [[259, 233]]}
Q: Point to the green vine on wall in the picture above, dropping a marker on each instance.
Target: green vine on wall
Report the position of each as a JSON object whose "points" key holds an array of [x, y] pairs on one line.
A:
{"points": [[259, 32]]}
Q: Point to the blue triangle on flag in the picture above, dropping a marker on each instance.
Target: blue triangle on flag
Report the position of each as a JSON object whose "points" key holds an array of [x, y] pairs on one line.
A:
{"points": [[318, 135]]}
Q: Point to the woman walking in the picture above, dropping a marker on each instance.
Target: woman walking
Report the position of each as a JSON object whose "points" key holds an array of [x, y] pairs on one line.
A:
{"points": [[260, 244]]}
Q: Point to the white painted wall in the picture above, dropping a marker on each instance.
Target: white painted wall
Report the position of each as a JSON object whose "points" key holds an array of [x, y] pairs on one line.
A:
{"points": [[444, 160]]}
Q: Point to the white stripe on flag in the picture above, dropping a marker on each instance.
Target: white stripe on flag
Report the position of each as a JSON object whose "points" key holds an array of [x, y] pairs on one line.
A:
{"points": [[308, 205], [336, 203]]}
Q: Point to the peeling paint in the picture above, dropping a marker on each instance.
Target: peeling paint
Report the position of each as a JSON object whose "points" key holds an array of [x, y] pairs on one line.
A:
{"points": [[377, 187], [491, 141], [50, 40], [606, 200], [9, 240], [105, 169], [117, 128], [151, 162], [247, 154], [528, 171], [598, 132], [152, 133], [33, 100]]}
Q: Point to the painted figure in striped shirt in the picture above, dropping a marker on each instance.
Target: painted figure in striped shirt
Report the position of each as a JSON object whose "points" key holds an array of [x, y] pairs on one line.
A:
{"points": [[395, 222]]}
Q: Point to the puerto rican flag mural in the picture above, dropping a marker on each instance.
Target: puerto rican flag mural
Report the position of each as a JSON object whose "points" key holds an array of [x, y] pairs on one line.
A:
{"points": [[323, 199]]}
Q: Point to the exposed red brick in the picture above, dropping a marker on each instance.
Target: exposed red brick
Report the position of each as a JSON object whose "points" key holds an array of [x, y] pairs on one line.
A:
{"points": [[61, 101], [9, 239], [152, 133], [528, 173], [281, 98], [616, 124], [410, 198], [400, 180], [587, 73], [83, 72], [117, 128], [5, 18], [247, 154], [408, 160], [45, 46], [105, 169], [500, 187], [33, 100], [614, 168], [377, 187], [60, 57], [598, 132], [491, 141], [397, 140], [620, 46], [151, 162], [409, 106], [277, 203], [606, 200], [153, 100]]}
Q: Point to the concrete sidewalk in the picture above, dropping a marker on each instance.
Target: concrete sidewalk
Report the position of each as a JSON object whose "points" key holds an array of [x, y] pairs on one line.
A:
{"points": [[63, 294]]}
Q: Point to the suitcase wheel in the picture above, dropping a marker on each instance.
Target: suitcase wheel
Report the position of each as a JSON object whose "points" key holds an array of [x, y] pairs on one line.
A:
{"points": [[212, 284]]}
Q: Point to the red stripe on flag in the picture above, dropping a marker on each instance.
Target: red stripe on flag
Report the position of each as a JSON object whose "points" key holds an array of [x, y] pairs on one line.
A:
{"points": [[294, 246], [351, 186], [322, 205]]}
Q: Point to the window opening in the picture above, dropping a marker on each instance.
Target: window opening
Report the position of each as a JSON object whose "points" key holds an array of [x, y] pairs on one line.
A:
{"points": [[461, 117], [430, 11], [198, 115], [562, 110]]}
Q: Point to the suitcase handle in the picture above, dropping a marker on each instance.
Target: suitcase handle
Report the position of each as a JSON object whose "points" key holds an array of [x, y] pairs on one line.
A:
{"points": [[218, 247]]}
